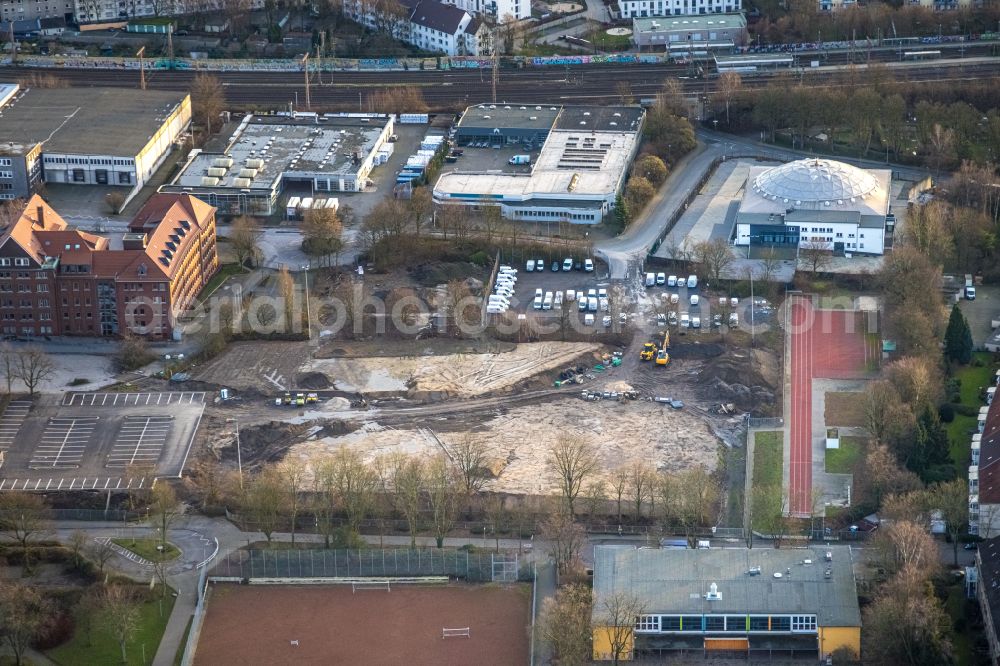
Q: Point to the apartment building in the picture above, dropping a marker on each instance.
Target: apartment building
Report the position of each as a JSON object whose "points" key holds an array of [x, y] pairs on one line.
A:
{"points": [[431, 25], [628, 9], [984, 472], [55, 280]]}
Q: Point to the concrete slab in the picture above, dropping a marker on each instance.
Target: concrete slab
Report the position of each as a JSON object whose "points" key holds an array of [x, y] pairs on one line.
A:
{"points": [[94, 440]]}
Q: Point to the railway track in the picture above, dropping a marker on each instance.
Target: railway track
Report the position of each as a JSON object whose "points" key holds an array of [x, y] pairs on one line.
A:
{"points": [[452, 90]]}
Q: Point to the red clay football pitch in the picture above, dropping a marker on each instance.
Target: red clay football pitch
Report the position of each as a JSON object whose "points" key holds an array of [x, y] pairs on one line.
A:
{"points": [[258, 624]]}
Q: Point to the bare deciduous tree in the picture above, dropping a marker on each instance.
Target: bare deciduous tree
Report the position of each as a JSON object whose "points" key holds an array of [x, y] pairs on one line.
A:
{"points": [[616, 616], [571, 461], [164, 508], [470, 455], [33, 367], [23, 613], [120, 614], [23, 517], [565, 538], [244, 235], [264, 499], [442, 498], [565, 624], [208, 100]]}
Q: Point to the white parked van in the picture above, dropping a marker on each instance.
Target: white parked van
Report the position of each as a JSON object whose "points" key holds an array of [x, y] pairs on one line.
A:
{"points": [[588, 320], [568, 264], [650, 280], [537, 303], [547, 301], [692, 281], [685, 320], [530, 266], [582, 304], [661, 278], [588, 265], [734, 319], [733, 302], [570, 295], [592, 303], [672, 281], [559, 299], [694, 299]]}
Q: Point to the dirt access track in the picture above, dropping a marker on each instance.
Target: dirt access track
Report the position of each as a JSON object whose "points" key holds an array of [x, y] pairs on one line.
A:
{"points": [[270, 367], [251, 625]]}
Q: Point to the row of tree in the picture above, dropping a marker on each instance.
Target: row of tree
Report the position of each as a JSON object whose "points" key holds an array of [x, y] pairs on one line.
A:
{"points": [[870, 114], [343, 490]]}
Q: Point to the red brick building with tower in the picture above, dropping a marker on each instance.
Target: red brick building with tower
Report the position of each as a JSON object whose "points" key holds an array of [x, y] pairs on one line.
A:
{"points": [[55, 280]]}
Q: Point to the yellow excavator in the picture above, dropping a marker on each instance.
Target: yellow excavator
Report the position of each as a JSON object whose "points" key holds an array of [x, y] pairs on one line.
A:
{"points": [[648, 352], [662, 357]]}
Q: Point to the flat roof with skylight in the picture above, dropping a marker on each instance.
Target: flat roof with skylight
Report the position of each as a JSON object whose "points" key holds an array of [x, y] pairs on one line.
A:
{"points": [[265, 149]]}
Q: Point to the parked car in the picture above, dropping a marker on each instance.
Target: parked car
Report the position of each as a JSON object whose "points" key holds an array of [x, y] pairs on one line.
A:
{"points": [[588, 265], [555, 266], [694, 299], [695, 322], [606, 321], [661, 278], [567, 264]]}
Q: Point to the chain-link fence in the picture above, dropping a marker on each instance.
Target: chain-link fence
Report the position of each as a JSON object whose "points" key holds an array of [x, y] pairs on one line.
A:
{"points": [[341, 563]]}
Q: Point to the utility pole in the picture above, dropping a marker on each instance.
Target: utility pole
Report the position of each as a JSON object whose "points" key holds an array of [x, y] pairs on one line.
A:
{"points": [[141, 54], [305, 70], [320, 52], [170, 46], [496, 61], [13, 44]]}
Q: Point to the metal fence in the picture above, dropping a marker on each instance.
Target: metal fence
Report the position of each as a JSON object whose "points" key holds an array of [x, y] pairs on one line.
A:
{"points": [[110, 515], [342, 563]]}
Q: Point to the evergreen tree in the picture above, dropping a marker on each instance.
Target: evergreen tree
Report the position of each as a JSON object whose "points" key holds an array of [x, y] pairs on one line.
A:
{"points": [[929, 456], [958, 338], [621, 211]]}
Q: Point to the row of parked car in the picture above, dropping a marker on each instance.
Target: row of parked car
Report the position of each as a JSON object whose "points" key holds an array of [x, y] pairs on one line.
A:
{"points": [[661, 279], [503, 290], [591, 301], [538, 265]]}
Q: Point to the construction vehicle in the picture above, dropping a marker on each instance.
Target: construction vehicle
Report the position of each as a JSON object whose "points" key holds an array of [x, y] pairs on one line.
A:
{"points": [[662, 357], [648, 352]]}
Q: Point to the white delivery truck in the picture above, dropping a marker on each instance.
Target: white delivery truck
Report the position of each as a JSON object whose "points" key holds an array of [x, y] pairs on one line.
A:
{"points": [[520, 159], [970, 290]]}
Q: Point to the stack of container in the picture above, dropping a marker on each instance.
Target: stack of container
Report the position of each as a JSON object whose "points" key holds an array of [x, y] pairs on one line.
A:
{"points": [[414, 118]]}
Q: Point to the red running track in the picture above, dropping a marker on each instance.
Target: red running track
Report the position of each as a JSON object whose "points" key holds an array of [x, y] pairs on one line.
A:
{"points": [[800, 422], [824, 343]]}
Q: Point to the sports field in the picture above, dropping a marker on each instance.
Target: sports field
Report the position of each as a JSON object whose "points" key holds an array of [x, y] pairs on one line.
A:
{"points": [[257, 624]]}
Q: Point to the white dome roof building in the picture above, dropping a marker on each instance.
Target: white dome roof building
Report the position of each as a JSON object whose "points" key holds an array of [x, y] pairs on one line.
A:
{"points": [[816, 202]]}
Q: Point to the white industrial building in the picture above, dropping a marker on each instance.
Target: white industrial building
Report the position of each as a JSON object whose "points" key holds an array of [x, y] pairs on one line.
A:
{"points": [[648, 8], [816, 203], [247, 174], [86, 136], [580, 169]]}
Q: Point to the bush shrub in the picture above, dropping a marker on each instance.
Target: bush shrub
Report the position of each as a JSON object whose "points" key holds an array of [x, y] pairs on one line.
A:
{"points": [[964, 410], [57, 631], [946, 413]]}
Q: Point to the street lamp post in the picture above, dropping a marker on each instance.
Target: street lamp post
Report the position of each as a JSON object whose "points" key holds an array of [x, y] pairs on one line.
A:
{"points": [[239, 454], [308, 313]]}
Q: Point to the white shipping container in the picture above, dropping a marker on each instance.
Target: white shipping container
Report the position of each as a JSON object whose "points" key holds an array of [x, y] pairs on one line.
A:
{"points": [[414, 118], [306, 203], [319, 203], [333, 202]]}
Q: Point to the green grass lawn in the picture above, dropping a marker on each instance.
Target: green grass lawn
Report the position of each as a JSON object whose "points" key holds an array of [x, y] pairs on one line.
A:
{"points": [[225, 272], [843, 460], [147, 548], [767, 458], [102, 648], [961, 640], [179, 657], [960, 430]]}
